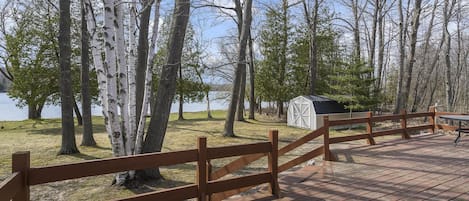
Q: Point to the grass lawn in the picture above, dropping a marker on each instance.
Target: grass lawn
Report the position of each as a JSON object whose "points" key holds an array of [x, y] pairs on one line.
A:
{"points": [[42, 138]]}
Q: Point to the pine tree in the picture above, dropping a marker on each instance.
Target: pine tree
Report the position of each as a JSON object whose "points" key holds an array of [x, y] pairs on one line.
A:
{"points": [[352, 86]]}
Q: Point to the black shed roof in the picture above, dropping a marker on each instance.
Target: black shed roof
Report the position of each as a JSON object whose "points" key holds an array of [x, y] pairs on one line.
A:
{"points": [[324, 105]]}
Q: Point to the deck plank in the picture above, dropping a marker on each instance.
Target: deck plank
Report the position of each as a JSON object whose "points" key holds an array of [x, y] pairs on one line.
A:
{"points": [[426, 167]]}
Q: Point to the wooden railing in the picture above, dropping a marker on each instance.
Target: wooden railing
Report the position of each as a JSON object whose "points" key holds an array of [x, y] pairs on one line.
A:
{"points": [[16, 187], [404, 129], [244, 161], [210, 185]]}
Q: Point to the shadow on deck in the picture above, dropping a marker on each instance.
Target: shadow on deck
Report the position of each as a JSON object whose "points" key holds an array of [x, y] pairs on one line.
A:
{"points": [[426, 167]]}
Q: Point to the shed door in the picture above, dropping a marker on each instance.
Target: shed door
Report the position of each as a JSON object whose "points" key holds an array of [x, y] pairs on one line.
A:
{"points": [[301, 115]]}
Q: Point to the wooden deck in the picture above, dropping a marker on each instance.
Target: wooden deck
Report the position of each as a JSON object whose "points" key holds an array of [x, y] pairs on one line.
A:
{"points": [[426, 167]]}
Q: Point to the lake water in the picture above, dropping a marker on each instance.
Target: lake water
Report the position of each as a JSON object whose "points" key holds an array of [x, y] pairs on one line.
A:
{"points": [[10, 112]]}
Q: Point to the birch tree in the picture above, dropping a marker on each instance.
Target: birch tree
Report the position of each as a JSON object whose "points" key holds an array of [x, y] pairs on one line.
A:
{"points": [[116, 78], [142, 55], [167, 85]]}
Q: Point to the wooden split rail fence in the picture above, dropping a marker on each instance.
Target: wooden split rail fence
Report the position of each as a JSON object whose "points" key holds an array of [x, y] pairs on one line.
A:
{"points": [[210, 184]]}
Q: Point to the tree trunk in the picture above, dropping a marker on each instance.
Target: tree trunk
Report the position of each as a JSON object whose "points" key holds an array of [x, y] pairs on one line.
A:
{"points": [[279, 109], [147, 96], [207, 97], [371, 56], [356, 32], [246, 26], [88, 139], [419, 89], [142, 55], [312, 22], [381, 46], [447, 12], [239, 115], [181, 98], [131, 66], [123, 83], [252, 99], [242, 91], [110, 68], [68, 145], [33, 112], [402, 41], [167, 86], [411, 58], [96, 52], [77, 112]]}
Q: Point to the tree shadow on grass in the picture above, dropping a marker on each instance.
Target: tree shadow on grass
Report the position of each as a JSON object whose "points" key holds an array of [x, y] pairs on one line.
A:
{"points": [[97, 147], [84, 156], [58, 130], [264, 139], [265, 122], [156, 185], [46, 131]]}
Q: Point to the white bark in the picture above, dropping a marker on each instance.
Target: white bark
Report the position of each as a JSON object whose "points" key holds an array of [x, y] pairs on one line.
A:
{"points": [[132, 58], [148, 79], [115, 132], [97, 59], [123, 82]]}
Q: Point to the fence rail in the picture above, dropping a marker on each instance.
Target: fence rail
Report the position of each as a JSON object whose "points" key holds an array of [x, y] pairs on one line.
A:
{"points": [[210, 185], [16, 187]]}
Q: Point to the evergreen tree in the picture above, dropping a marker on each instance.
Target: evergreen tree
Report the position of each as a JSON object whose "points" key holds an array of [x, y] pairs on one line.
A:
{"points": [[352, 86], [272, 76]]}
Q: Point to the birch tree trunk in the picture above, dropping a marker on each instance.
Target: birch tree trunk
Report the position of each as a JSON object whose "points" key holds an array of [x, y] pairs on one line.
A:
{"points": [[246, 26], [167, 85], [97, 58], [148, 79], [68, 145], [132, 58], [142, 56], [123, 96], [115, 132]]}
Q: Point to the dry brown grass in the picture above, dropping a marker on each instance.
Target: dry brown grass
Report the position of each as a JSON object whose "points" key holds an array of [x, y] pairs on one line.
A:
{"points": [[42, 139]]}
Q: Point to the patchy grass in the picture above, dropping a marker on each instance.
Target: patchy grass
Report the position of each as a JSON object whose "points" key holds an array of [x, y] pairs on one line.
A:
{"points": [[42, 138]]}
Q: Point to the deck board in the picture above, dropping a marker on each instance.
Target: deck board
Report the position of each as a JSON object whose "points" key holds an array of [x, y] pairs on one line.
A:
{"points": [[426, 167]]}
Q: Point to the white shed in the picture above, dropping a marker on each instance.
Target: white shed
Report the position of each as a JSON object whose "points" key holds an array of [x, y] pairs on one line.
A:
{"points": [[308, 111]]}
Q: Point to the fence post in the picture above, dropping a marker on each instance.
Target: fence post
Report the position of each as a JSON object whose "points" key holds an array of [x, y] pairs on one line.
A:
{"points": [[432, 119], [369, 129], [209, 176], [273, 163], [21, 163], [405, 135], [327, 152], [202, 168]]}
